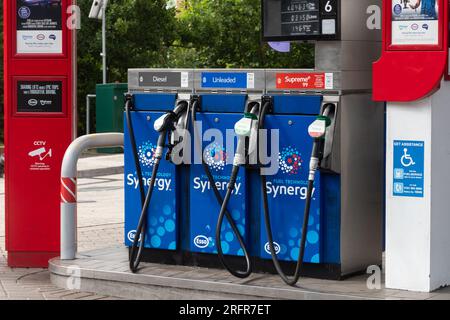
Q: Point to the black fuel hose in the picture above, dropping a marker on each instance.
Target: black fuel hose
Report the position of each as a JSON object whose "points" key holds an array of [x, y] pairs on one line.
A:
{"points": [[289, 281], [139, 237], [223, 203], [134, 149]]}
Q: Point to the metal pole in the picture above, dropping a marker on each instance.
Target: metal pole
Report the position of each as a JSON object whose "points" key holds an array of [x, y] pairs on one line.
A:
{"points": [[88, 112], [104, 41], [69, 186]]}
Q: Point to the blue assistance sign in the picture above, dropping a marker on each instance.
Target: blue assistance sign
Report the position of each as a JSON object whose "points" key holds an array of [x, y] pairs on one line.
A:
{"points": [[408, 168]]}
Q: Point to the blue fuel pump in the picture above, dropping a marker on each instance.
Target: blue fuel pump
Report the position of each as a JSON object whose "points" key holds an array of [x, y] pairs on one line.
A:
{"points": [[317, 131], [151, 188], [224, 210], [222, 96], [162, 125], [286, 211]]}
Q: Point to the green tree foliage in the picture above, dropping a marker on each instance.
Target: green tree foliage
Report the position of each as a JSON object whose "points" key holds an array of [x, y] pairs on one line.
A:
{"points": [[139, 33], [144, 33], [227, 33]]}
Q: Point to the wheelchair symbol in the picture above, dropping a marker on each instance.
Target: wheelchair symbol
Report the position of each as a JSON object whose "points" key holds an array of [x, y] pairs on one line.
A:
{"points": [[406, 159]]}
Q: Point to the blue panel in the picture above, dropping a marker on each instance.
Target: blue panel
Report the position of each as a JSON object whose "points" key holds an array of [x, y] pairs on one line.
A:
{"points": [[291, 104], [232, 80], [162, 217], [154, 102], [408, 173], [224, 103], [204, 209], [287, 192], [331, 217]]}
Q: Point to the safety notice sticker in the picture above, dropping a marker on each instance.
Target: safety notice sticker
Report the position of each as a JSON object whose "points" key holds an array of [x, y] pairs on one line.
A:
{"points": [[39, 26], [408, 168], [415, 22]]}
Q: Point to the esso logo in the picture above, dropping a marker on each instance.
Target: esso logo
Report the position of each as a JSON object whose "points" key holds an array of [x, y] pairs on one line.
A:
{"points": [[275, 245], [131, 235], [40, 37], [201, 242], [32, 102]]}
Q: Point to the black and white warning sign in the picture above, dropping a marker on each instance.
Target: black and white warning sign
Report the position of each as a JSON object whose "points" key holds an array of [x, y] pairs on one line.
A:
{"points": [[39, 96], [39, 26]]}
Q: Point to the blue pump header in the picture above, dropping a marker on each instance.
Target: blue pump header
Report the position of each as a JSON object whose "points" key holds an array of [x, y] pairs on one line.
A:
{"points": [[232, 80]]}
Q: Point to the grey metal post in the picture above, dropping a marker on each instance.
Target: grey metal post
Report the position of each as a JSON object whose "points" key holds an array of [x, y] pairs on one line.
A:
{"points": [[104, 41], [88, 111], [69, 186]]}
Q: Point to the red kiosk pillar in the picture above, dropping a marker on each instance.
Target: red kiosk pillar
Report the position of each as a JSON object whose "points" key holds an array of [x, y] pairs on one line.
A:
{"points": [[40, 113]]}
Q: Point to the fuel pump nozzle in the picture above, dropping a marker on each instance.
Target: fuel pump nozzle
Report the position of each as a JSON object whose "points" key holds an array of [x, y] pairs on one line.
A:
{"points": [[164, 124], [246, 129]]}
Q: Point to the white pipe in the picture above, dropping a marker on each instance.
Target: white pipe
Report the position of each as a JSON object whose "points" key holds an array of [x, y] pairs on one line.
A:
{"points": [[69, 184]]}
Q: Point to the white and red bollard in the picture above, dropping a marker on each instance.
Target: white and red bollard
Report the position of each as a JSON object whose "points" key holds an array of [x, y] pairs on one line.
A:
{"points": [[69, 186]]}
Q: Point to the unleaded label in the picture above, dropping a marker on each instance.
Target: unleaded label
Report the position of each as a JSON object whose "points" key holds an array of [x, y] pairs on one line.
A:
{"points": [[232, 80]]}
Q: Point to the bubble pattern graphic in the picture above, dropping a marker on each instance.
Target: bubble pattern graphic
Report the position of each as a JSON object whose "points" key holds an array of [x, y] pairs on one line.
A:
{"points": [[146, 153], [215, 156], [290, 160], [162, 230]]}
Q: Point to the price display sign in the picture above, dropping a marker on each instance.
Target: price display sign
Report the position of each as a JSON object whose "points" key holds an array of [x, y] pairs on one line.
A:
{"points": [[285, 20]]}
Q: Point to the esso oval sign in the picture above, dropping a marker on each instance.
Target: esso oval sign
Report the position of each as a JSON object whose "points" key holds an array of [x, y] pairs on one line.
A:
{"points": [[201, 241], [131, 235], [276, 246]]}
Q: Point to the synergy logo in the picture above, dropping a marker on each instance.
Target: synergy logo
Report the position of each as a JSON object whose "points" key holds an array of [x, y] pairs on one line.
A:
{"points": [[290, 160], [215, 156], [276, 246], [146, 154], [201, 241], [161, 184]]}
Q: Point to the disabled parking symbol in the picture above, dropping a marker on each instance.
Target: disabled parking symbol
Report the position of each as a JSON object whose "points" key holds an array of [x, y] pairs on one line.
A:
{"points": [[406, 159]]}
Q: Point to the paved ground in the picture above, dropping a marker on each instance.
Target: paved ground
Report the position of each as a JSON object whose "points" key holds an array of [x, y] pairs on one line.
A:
{"points": [[100, 224]]}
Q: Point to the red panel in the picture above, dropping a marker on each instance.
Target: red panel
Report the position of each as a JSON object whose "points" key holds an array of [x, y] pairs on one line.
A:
{"points": [[307, 80], [34, 147], [409, 73]]}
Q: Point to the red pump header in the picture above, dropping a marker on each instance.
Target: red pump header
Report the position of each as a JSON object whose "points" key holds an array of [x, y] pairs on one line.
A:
{"points": [[415, 50]]}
